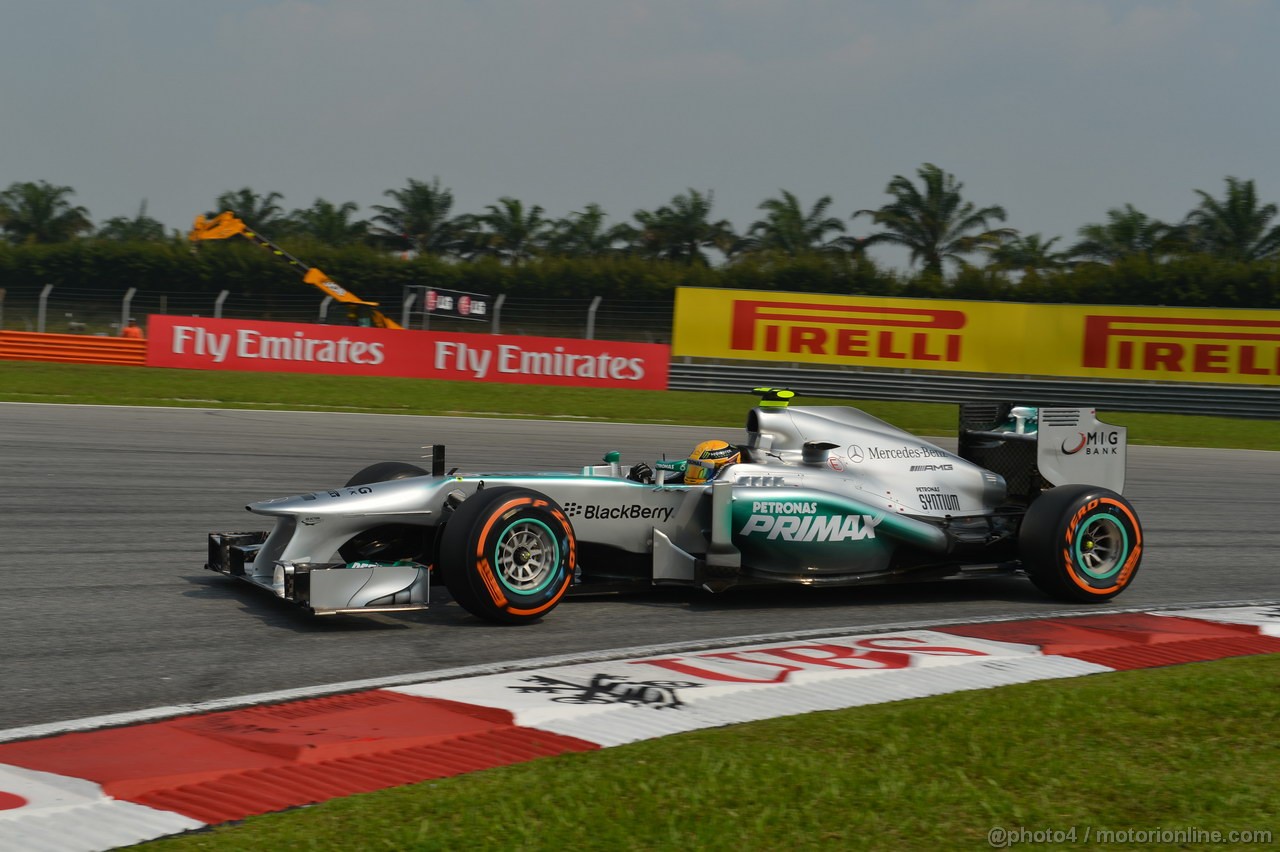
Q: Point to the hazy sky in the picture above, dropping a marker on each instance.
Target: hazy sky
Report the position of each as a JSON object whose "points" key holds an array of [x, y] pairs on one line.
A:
{"points": [[1056, 109]]}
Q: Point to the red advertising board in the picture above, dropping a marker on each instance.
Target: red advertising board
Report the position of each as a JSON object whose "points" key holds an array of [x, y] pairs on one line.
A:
{"points": [[216, 344]]}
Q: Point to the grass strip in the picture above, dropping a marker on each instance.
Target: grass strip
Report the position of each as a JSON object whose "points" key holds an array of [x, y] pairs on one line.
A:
{"points": [[22, 381], [1183, 747]]}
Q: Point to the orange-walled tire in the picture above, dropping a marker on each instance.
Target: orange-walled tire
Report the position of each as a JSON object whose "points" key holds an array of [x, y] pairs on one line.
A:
{"points": [[1081, 543], [508, 555]]}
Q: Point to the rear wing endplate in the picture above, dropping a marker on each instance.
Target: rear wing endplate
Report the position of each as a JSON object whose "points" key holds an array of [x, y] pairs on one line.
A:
{"points": [[1035, 447]]}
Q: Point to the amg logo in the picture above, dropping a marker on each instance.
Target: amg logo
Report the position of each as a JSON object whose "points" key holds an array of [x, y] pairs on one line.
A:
{"points": [[848, 331], [1242, 347], [810, 528], [917, 468]]}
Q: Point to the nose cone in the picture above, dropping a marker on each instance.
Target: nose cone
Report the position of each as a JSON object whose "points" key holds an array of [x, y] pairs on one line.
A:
{"points": [[283, 505], [405, 496]]}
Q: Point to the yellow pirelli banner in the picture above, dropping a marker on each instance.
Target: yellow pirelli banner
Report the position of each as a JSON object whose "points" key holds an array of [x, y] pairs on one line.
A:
{"points": [[1133, 343]]}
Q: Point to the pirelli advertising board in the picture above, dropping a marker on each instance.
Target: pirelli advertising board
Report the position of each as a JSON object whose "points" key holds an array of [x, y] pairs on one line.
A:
{"points": [[1119, 343]]}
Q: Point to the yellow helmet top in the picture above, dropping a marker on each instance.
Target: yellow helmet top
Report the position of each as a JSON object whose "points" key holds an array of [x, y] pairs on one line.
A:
{"points": [[707, 459]]}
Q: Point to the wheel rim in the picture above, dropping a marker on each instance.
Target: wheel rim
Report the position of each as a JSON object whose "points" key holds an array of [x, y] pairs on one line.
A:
{"points": [[1101, 546], [527, 557]]}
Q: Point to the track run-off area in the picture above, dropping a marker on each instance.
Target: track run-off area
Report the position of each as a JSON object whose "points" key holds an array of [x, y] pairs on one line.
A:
{"points": [[104, 514], [105, 511], [148, 697]]}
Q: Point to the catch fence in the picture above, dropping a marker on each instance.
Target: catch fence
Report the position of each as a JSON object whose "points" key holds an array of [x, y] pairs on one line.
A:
{"points": [[75, 311]]}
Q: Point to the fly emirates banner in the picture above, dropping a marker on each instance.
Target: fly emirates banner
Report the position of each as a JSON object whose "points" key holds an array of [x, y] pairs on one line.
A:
{"points": [[278, 347]]}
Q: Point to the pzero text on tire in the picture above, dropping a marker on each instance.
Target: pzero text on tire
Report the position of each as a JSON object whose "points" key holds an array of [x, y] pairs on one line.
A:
{"points": [[508, 554], [1081, 543]]}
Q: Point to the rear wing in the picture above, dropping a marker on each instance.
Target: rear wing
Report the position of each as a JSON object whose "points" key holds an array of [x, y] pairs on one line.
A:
{"points": [[1036, 447]]}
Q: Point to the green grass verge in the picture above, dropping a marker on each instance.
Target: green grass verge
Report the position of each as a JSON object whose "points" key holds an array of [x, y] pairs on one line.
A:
{"points": [[1183, 747], [99, 385]]}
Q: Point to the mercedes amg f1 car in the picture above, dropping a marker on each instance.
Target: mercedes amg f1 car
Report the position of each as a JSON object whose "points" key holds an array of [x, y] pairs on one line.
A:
{"points": [[817, 496]]}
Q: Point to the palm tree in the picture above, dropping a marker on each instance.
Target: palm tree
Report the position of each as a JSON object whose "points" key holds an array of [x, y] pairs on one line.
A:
{"points": [[937, 224], [508, 231], [1030, 253], [583, 234], [1235, 228], [420, 221], [679, 231], [39, 212], [1127, 232], [141, 228], [789, 230], [329, 223], [259, 211]]}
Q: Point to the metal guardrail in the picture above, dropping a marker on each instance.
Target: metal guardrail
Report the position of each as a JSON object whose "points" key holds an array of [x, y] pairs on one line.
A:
{"points": [[80, 310], [72, 349], [1249, 401]]}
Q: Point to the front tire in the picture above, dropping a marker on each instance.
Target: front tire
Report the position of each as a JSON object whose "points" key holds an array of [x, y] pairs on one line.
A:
{"points": [[385, 472], [388, 542], [508, 555], [1081, 543]]}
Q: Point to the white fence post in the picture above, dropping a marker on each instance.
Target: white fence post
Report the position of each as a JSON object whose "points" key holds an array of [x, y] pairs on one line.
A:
{"points": [[408, 305], [497, 313], [591, 318], [217, 303], [125, 304], [42, 310]]}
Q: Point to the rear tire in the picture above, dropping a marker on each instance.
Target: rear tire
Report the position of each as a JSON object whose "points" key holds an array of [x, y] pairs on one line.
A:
{"points": [[1081, 543], [508, 555]]}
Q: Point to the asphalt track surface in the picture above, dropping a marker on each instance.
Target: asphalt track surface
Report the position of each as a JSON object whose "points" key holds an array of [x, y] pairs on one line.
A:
{"points": [[104, 513]]}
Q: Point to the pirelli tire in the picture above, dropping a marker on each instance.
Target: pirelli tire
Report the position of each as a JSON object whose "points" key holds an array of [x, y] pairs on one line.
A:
{"points": [[1081, 543], [508, 555]]}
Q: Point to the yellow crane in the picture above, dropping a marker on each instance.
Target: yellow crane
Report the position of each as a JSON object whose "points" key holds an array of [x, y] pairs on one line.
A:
{"points": [[226, 225]]}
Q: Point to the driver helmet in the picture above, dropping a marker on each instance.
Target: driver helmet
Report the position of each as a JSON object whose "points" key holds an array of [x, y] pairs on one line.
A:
{"points": [[707, 459]]}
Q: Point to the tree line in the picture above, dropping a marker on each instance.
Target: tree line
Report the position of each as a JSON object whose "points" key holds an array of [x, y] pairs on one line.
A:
{"points": [[1224, 252]]}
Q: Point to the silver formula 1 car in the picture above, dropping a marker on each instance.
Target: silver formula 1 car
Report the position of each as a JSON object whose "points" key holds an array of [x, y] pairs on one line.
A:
{"points": [[818, 496]]}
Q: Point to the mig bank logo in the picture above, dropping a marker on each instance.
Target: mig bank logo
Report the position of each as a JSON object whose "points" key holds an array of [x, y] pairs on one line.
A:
{"points": [[1101, 443]]}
